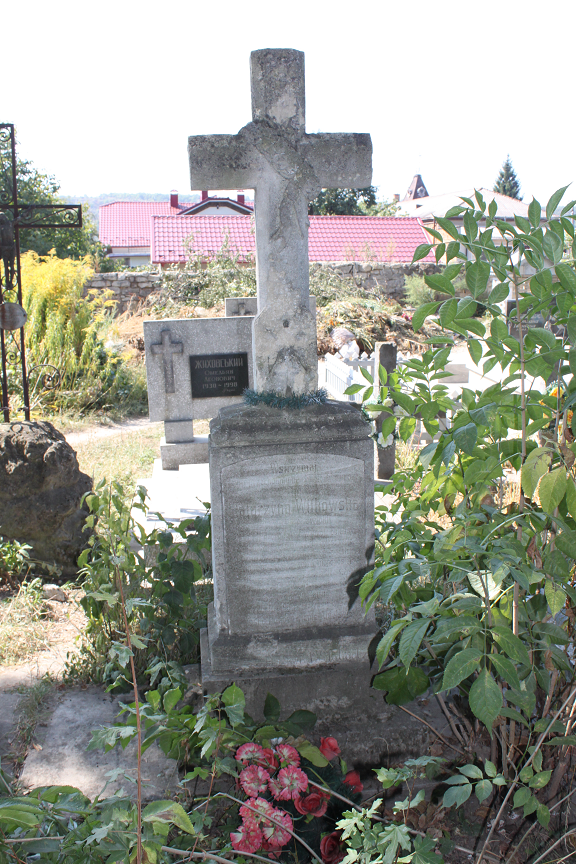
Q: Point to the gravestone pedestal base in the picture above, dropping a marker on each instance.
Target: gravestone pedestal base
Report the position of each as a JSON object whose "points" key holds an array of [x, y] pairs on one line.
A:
{"points": [[292, 497], [369, 732], [183, 452]]}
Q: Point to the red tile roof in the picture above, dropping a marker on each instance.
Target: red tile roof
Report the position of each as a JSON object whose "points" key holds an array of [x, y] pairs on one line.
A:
{"points": [[127, 223], [331, 238]]}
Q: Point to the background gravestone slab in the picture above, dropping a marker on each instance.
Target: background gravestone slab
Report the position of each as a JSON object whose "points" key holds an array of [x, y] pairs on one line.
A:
{"points": [[41, 487]]}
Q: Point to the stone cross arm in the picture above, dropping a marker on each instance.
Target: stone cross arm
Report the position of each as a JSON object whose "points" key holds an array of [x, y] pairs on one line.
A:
{"points": [[220, 161], [339, 159], [230, 161]]}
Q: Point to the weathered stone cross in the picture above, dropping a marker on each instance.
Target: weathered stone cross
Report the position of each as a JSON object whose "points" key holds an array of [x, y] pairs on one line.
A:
{"points": [[167, 348], [287, 168]]}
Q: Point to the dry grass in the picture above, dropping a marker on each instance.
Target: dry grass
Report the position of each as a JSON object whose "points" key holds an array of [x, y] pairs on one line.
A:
{"points": [[124, 457], [23, 630]]}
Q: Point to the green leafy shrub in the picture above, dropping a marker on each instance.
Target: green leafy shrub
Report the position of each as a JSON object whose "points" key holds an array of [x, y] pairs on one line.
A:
{"points": [[482, 590], [166, 587]]}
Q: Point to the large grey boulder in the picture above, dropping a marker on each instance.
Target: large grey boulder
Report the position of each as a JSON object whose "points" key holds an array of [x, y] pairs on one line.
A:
{"points": [[41, 487]]}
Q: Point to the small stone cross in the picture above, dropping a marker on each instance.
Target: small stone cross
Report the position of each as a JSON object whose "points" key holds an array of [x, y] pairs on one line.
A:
{"points": [[287, 168], [167, 348]]}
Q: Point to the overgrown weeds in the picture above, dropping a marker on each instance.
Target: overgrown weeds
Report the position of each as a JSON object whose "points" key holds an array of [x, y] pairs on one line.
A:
{"points": [[23, 623]]}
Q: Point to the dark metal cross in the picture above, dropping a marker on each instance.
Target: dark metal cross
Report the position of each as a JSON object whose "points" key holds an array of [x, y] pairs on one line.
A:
{"points": [[13, 217], [287, 168]]}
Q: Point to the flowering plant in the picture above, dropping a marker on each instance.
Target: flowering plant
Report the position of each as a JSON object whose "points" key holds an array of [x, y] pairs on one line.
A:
{"points": [[290, 783]]}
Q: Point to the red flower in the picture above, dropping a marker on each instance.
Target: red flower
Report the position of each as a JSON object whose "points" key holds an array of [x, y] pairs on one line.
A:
{"points": [[352, 779], [288, 755], [267, 759], [332, 849], [254, 780], [257, 810], [329, 748], [288, 784], [314, 803], [249, 752], [275, 836], [248, 838]]}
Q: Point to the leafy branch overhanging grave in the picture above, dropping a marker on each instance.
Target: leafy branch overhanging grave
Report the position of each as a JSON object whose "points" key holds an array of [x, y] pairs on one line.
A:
{"points": [[482, 587]]}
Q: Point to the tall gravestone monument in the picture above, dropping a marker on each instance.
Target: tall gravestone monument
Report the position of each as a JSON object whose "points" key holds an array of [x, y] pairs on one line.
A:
{"points": [[292, 490]]}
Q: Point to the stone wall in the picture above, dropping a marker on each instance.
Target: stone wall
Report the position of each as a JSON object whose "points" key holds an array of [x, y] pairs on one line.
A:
{"points": [[387, 278], [130, 287]]}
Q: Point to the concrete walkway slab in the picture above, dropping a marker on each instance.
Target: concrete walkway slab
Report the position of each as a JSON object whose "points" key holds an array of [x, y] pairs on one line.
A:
{"points": [[64, 760]]}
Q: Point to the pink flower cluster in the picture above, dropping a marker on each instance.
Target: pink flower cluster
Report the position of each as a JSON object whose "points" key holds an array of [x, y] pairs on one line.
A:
{"points": [[257, 777], [276, 772], [263, 826]]}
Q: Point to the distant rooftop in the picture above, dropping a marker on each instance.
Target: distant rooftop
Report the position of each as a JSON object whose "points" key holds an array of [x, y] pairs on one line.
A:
{"points": [[432, 206], [331, 238], [127, 223]]}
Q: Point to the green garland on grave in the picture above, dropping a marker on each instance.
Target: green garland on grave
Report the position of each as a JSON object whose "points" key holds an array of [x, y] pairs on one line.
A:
{"points": [[278, 400]]}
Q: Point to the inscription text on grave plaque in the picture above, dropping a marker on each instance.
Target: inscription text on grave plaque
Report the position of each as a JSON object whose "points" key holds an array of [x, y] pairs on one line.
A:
{"points": [[295, 534], [218, 374]]}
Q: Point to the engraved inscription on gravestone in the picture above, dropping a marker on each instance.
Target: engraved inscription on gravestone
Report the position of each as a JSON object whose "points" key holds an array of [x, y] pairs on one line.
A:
{"points": [[218, 374], [283, 514]]}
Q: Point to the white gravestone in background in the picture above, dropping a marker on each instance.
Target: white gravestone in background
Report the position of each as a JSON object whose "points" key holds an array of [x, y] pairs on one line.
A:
{"points": [[194, 367]]}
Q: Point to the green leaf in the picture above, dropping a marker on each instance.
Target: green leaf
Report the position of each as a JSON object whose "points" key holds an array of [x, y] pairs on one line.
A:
{"points": [[534, 467], [483, 790], [422, 251], [422, 313], [365, 374], [540, 780], [506, 670], [555, 596], [411, 640], [457, 795], [460, 666], [465, 437], [447, 311], [477, 275], [490, 768], [482, 581], [555, 201], [401, 687], [406, 428], [566, 542], [271, 709], [522, 796], [304, 719], [387, 641], [312, 754], [569, 740], [485, 699], [471, 771], [448, 227], [567, 277], [534, 213], [552, 489], [234, 704], [170, 812], [511, 644], [171, 699], [499, 293], [353, 389], [543, 815], [475, 350]]}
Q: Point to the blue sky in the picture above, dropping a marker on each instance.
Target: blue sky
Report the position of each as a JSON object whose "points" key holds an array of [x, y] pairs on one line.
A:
{"points": [[104, 94]]}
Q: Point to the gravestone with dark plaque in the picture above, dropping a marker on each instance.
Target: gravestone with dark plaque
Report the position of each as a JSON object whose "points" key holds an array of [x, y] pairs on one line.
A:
{"points": [[292, 488], [194, 367]]}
